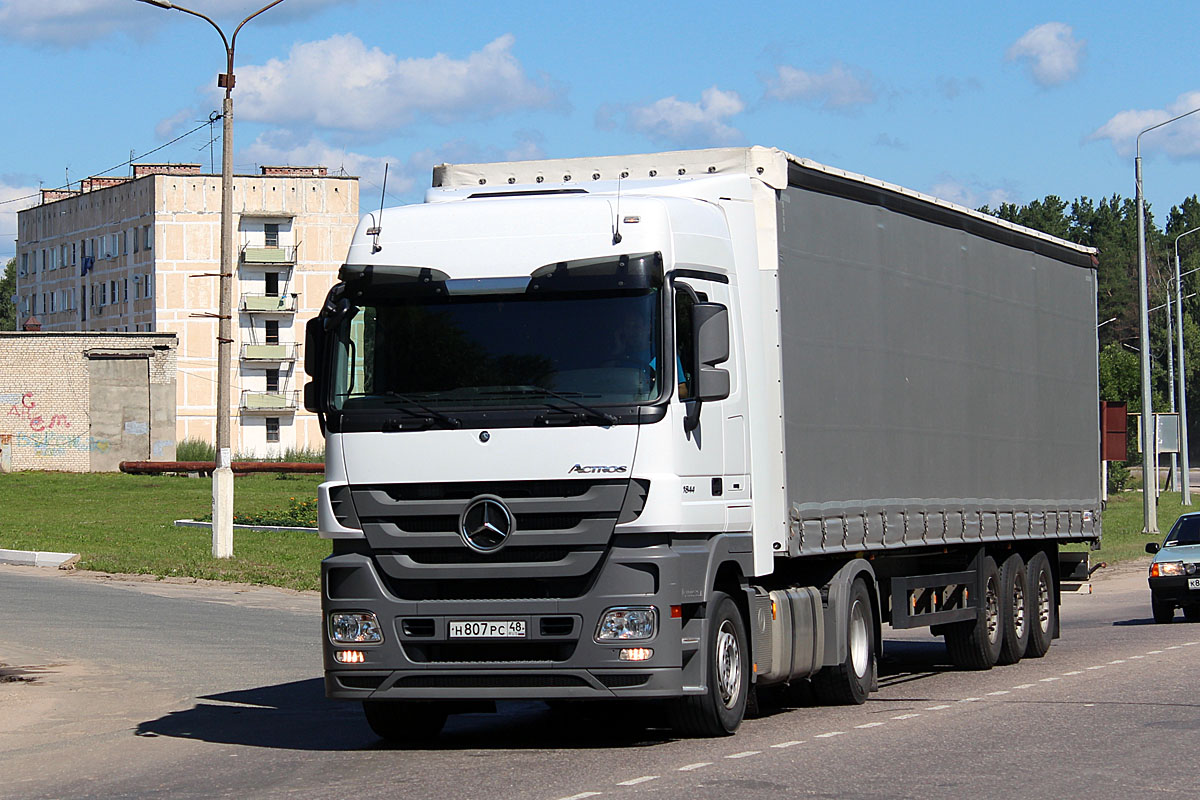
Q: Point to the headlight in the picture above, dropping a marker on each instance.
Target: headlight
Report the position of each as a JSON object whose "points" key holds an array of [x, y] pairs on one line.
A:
{"points": [[1160, 569], [627, 624], [354, 627]]}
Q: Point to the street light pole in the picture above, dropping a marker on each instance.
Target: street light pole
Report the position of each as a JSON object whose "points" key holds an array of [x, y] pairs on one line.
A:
{"points": [[1183, 431], [222, 506]]}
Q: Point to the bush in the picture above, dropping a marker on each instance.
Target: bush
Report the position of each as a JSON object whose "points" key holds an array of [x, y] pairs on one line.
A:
{"points": [[1118, 477], [298, 514], [195, 450]]}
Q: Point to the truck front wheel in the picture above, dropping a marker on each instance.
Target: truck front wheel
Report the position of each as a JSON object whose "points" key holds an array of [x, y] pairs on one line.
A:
{"points": [[849, 683], [401, 722], [719, 711]]}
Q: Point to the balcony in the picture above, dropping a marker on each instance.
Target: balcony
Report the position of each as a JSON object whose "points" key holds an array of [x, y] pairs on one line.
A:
{"points": [[268, 255], [269, 303], [272, 403], [274, 353]]}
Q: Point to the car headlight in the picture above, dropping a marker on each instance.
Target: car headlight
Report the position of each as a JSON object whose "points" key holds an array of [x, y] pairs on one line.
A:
{"points": [[631, 623], [1162, 569], [354, 627]]}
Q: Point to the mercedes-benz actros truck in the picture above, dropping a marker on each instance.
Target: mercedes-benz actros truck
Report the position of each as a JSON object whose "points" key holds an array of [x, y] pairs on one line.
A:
{"points": [[680, 426]]}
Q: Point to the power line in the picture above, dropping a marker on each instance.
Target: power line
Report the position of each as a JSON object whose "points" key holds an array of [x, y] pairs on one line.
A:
{"points": [[110, 169]]}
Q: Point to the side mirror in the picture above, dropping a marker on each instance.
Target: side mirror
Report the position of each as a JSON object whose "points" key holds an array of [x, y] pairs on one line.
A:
{"points": [[314, 340], [710, 327], [1153, 547], [311, 397]]}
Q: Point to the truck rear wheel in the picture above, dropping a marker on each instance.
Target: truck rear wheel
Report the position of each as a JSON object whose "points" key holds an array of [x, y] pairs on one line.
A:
{"points": [[849, 683], [976, 645], [1014, 609], [1043, 606], [402, 722], [719, 711]]}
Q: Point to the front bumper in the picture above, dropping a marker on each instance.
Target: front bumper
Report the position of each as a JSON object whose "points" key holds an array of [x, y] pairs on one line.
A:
{"points": [[557, 659], [1174, 588]]}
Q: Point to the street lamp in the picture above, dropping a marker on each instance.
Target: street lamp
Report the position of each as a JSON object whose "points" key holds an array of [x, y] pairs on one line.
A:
{"points": [[222, 513], [1149, 471], [1183, 431]]}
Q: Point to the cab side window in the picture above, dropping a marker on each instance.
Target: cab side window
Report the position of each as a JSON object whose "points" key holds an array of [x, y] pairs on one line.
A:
{"points": [[685, 346]]}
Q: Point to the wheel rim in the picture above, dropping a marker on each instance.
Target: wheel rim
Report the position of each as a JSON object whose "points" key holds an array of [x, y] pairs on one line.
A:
{"points": [[1018, 599], [729, 664], [1043, 601], [992, 611], [860, 645]]}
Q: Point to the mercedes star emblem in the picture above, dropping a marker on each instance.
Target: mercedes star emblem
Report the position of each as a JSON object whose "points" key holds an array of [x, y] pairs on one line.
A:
{"points": [[486, 524]]}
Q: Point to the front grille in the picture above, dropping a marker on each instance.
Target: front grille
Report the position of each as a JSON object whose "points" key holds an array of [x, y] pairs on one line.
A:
{"points": [[407, 492], [418, 627], [488, 652], [490, 681], [488, 588], [507, 555], [557, 626]]}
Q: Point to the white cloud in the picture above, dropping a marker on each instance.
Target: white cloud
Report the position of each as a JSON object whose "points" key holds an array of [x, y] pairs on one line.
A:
{"points": [[680, 122], [971, 194], [839, 88], [1179, 139], [78, 23], [339, 83], [407, 177], [14, 196], [1051, 52]]}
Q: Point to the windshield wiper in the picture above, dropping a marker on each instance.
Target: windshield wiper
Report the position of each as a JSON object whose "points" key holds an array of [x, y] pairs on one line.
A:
{"points": [[589, 412], [396, 399]]}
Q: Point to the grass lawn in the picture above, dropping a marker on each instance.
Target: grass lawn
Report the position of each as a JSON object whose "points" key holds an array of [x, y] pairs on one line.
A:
{"points": [[124, 523], [1123, 523]]}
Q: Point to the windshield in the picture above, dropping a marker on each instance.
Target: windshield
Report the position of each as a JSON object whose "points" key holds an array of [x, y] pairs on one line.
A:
{"points": [[1186, 531], [482, 349]]}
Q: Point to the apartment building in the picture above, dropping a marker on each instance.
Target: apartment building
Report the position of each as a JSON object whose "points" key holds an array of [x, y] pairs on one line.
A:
{"points": [[142, 253]]}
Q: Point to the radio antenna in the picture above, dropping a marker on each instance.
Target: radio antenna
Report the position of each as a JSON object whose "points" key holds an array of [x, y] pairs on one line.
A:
{"points": [[377, 228], [617, 220]]}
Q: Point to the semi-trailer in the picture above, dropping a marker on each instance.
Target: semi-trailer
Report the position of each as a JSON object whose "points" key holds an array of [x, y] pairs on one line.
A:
{"points": [[680, 426]]}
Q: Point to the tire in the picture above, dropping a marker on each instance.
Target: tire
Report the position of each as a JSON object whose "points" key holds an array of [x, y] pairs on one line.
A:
{"points": [[1191, 613], [1014, 609], [849, 683], [1043, 606], [1164, 610], [401, 722], [976, 645], [719, 711]]}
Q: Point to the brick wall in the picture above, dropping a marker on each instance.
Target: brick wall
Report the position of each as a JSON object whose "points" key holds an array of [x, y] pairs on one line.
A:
{"points": [[45, 418]]}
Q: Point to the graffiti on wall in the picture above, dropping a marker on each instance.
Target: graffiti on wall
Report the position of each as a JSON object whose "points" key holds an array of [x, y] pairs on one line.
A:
{"points": [[52, 445], [22, 406]]}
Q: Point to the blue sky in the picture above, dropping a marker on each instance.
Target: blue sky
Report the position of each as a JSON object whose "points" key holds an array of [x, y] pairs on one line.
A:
{"points": [[977, 103]]}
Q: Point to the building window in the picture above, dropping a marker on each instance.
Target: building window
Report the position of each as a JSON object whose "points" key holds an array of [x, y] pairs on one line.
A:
{"points": [[272, 429], [272, 282], [271, 234], [272, 326], [147, 237], [272, 380], [24, 264]]}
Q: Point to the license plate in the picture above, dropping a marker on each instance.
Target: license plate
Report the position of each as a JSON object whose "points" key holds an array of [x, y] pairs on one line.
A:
{"points": [[1194, 583], [488, 629]]}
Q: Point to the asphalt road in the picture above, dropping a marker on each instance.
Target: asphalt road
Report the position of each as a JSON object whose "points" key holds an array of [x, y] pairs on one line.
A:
{"points": [[128, 688]]}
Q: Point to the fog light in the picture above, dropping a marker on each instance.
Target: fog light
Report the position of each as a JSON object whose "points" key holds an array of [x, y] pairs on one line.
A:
{"points": [[349, 656], [354, 627], [635, 654], [626, 624]]}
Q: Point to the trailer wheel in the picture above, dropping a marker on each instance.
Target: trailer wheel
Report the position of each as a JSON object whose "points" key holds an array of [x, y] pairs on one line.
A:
{"points": [[976, 645], [1014, 609], [1043, 606], [401, 722], [719, 711], [849, 683]]}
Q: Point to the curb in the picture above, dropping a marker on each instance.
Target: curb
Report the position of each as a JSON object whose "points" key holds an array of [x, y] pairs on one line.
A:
{"points": [[34, 558], [191, 523]]}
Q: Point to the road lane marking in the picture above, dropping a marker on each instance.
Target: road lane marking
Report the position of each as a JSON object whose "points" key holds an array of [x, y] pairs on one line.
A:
{"points": [[1118, 661], [636, 781], [1137, 656], [1025, 686], [938, 708], [582, 795], [1153, 652], [997, 694], [1189, 644], [870, 725], [697, 765], [745, 754], [906, 716], [788, 744], [1049, 680], [830, 734], [970, 700], [1074, 672], [1174, 647], [1101, 666]]}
